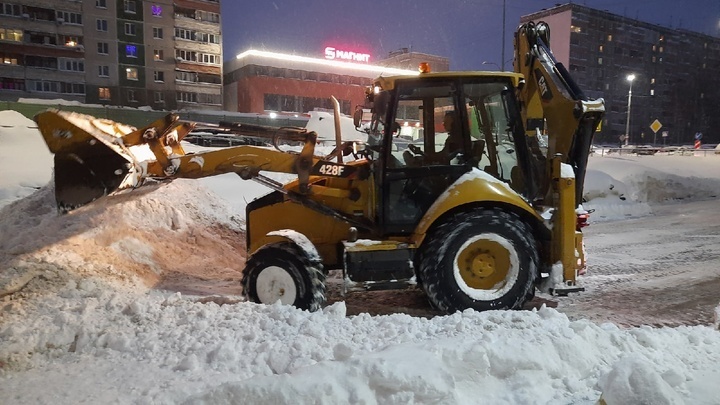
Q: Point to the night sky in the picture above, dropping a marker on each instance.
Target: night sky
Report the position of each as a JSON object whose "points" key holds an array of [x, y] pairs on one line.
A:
{"points": [[466, 31]]}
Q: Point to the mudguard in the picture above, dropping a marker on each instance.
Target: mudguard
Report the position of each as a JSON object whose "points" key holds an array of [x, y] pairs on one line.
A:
{"points": [[301, 241]]}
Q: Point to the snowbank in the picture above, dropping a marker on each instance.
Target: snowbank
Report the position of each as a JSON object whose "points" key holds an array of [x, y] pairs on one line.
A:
{"points": [[81, 322]]}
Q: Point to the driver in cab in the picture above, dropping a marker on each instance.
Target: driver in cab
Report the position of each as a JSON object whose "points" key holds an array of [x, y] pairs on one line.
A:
{"points": [[453, 144]]}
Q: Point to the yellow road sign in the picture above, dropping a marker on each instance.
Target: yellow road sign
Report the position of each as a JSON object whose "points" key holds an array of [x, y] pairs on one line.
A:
{"points": [[655, 126]]}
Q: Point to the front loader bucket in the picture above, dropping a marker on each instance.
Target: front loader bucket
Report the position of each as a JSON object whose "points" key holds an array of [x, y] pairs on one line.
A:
{"points": [[95, 157], [87, 174]]}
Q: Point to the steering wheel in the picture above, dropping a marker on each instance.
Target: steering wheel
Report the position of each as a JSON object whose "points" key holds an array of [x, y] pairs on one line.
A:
{"points": [[414, 149]]}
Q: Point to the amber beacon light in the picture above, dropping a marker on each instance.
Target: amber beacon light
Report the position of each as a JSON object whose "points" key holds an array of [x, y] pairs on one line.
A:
{"points": [[424, 67]]}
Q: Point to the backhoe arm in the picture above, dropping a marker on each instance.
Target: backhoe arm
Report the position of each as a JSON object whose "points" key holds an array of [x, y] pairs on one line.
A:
{"points": [[551, 95]]}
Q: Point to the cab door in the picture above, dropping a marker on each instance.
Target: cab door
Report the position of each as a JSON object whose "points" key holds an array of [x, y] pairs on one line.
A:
{"points": [[416, 170]]}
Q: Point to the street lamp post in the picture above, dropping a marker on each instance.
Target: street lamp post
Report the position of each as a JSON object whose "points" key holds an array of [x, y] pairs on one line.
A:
{"points": [[630, 78]]}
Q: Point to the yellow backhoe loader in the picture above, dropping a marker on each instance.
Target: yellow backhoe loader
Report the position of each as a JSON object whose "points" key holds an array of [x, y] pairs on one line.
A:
{"points": [[469, 184]]}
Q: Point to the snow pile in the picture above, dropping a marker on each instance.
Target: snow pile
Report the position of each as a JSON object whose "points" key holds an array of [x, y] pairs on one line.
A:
{"points": [[168, 349], [25, 161], [123, 239], [80, 323]]}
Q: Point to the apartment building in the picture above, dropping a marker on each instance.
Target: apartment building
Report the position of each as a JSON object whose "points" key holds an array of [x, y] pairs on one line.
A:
{"points": [[676, 71], [164, 54]]}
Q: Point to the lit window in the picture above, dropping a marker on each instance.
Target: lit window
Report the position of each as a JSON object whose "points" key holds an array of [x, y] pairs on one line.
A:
{"points": [[575, 29], [158, 55], [652, 92], [652, 80], [131, 51], [600, 48], [609, 38], [156, 10], [131, 73], [104, 93], [599, 61]]}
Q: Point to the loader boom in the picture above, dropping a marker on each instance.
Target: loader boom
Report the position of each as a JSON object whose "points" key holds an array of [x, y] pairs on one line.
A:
{"points": [[95, 157]]}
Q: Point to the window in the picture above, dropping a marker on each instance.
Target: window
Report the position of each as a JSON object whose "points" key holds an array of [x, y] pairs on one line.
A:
{"points": [[104, 93], [70, 40], [104, 71], [609, 38], [159, 76], [102, 48], [156, 10], [44, 87], [72, 88], [184, 34], [129, 29], [186, 55], [131, 95], [159, 97], [102, 25], [131, 73], [158, 55], [157, 33], [10, 9], [209, 58], [600, 49], [9, 59], [71, 65], [131, 51], [101, 3], [207, 38], [599, 61], [187, 97], [8, 34], [129, 6], [207, 16], [186, 76], [8, 83], [69, 18]]}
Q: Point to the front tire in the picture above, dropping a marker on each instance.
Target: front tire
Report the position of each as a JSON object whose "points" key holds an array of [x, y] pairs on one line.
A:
{"points": [[484, 259], [282, 271]]}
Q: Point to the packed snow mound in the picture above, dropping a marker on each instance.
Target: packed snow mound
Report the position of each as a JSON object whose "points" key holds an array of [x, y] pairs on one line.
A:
{"points": [[25, 161], [10, 118], [660, 179], [134, 239]]}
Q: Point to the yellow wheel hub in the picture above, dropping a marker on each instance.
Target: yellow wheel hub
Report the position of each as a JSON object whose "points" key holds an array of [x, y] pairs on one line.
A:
{"points": [[484, 264]]}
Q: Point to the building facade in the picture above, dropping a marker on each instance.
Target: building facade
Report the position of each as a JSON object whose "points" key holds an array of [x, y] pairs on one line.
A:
{"points": [[262, 82], [677, 73], [166, 54]]}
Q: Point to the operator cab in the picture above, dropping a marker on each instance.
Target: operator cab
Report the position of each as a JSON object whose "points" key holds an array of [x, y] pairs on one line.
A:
{"points": [[433, 128]]}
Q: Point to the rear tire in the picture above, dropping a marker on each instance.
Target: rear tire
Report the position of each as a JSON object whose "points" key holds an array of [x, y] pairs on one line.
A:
{"points": [[484, 259], [282, 271]]}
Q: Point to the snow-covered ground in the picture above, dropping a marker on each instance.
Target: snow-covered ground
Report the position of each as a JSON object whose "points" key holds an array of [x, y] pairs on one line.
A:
{"points": [[84, 318]]}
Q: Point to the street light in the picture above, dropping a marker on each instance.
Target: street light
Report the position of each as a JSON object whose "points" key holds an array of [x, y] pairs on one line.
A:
{"points": [[630, 78]]}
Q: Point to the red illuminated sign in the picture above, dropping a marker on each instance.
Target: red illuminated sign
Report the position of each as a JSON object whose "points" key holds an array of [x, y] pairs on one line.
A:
{"points": [[333, 53]]}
